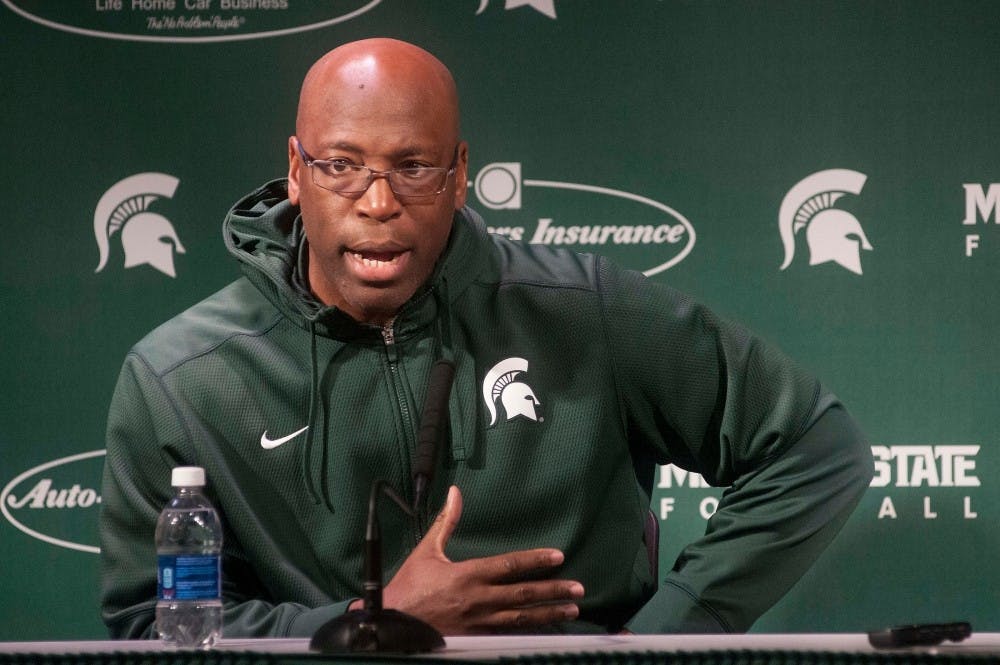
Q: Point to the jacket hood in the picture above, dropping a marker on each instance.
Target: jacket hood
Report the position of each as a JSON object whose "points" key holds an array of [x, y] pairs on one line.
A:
{"points": [[264, 232]]}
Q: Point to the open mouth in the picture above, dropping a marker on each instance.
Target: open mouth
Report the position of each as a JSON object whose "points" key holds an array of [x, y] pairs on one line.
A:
{"points": [[376, 259], [377, 266]]}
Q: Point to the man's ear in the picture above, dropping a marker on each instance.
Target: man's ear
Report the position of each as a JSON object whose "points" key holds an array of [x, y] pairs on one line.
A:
{"points": [[294, 171], [462, 175]]}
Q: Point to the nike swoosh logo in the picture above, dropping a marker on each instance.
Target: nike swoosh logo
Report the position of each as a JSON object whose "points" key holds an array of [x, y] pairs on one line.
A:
{"points": [[268, 444]]}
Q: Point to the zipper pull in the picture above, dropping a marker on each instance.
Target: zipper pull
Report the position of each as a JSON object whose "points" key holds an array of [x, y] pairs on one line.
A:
{"points": [[389, 337]]}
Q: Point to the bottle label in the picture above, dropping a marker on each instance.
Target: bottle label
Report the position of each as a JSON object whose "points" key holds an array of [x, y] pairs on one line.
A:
{"points": [[188, 577]]}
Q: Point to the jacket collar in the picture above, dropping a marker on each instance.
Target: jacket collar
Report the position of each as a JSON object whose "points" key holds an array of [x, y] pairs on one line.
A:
{"points": [[264, 232]]}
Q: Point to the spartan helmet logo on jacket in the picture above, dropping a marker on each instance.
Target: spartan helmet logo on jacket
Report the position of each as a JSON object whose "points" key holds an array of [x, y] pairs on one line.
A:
{"points": [[516, 397], [832, 234], [147, 237]]}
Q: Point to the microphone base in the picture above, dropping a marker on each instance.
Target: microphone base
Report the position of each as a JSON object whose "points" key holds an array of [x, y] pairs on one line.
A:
{"points": [[376, 632]]}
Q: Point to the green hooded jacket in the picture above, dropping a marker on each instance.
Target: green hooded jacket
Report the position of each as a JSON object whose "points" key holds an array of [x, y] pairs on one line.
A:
{"points": [[574, 378]]}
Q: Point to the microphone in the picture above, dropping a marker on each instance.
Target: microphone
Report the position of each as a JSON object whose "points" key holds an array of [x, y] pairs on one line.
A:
{"points": [[374, 629], [432, 419]]}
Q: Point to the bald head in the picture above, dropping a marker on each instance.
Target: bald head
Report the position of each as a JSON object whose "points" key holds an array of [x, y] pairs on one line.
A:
{"points": [[389, 107], [396, 75]]}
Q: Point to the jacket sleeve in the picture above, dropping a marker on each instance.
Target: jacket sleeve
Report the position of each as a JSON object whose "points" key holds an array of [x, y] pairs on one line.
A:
{"points": [[145, 440], [707, 396]]}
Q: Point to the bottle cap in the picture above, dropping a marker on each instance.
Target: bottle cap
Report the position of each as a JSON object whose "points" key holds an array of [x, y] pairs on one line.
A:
{"points": [[188, 476]]}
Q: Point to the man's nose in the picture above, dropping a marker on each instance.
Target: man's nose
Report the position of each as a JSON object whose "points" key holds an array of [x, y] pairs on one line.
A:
{"points": [[379, 202]]}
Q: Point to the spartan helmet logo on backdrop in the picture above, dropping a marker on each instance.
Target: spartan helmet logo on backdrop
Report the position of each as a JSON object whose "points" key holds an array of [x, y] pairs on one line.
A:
{"points": [[516, 397], [147, 237], [832, 234]]}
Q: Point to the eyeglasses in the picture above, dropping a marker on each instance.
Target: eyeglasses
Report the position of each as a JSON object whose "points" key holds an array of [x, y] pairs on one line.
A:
{"points": [[344, 178]]}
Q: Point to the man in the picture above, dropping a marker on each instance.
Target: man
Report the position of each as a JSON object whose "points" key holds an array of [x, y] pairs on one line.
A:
{"points": [[300, 385]]}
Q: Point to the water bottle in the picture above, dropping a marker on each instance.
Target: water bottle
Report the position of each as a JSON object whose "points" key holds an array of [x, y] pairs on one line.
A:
{"points": [[189, 571]]}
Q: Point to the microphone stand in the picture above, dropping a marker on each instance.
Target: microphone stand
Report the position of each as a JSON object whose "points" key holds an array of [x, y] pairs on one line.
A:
{"points": [[373, 628], [432, 422]]}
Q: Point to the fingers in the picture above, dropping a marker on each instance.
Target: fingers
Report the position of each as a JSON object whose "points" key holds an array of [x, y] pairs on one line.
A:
{"points": [[525, 605], [502, 567], [494, 593], [444, 524], [527, 617], [526, 594], [517, 565]]}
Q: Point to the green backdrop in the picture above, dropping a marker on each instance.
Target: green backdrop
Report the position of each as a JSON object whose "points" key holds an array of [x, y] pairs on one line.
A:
{"points": [[826, 172]]}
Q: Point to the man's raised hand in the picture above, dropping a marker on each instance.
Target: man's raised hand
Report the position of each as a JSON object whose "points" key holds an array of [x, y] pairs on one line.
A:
{"points": [[484, 595]]}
